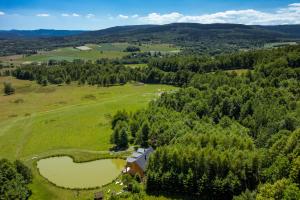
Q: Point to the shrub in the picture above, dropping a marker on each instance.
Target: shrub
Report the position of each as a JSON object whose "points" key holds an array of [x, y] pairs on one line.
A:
{"points": [[8, 88]]}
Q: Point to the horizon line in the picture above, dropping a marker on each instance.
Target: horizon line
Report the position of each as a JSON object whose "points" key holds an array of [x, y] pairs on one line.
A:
{"points": [[85, 30]]}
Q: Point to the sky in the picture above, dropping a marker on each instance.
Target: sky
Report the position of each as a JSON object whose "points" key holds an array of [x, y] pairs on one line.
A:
{"points": [[99, 14]]}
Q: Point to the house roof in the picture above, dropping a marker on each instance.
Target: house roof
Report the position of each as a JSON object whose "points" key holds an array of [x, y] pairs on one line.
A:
{"points": [[98, 195], [135, 155], [140, 157], [141, 150]]}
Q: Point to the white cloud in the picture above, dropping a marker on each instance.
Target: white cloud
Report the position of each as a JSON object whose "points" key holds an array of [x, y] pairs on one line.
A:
{"points": [[294, 5], [156, 18], [43, 15], [135, 16], [287, 15], [123, 16], [75, 15], [2, 13], [90, 16]]}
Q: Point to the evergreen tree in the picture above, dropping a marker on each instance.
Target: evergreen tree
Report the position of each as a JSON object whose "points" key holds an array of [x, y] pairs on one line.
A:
{"points": [[144, 134], [123, 143]]}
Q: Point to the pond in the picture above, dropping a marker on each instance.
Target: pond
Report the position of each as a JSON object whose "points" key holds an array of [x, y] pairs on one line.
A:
{"points": [[62, 171]]}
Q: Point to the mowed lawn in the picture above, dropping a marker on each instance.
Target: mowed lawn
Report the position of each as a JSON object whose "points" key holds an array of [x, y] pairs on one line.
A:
{"points": [[40, 119]]}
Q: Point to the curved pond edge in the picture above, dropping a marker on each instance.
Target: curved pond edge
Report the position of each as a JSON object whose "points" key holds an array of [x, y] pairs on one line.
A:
{"points": [[74, 160]]}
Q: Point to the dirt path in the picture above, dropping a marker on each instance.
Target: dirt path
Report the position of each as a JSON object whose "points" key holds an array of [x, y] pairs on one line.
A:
{"points": [[25, 135], [74, 150]]}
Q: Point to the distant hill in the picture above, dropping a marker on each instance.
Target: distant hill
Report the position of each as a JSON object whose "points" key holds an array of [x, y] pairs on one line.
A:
{"points": [[41, 33], [194, 32], [201, 38], [290, 30]]}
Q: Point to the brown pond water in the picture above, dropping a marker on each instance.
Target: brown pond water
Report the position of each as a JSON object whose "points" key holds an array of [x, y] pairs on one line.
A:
{"points": [[62, 171]]}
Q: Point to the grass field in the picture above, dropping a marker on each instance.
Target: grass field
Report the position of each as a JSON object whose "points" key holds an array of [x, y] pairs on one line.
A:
{"points": [[136, 65], [279, 44], [143, 47], [72, 120], [70, 54], [239, 72], [97, 51]]}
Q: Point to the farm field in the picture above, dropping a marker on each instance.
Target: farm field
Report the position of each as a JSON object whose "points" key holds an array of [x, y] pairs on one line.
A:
{"points": [[70, 53], [96, 51], [279, 44], [73, 120]]}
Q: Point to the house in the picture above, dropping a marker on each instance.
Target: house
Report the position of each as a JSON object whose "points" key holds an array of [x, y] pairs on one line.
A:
{"points": [[136, 163], [98, 196]]}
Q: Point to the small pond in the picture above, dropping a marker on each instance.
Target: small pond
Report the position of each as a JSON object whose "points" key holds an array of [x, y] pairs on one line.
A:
{"points": [[64, 172]]}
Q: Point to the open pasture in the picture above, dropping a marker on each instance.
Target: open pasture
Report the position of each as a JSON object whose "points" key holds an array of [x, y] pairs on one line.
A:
{"points": [[92, 52], [70, 53], [38, 119]]}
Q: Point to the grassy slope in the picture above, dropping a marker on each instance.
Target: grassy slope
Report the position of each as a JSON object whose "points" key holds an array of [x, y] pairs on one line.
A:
{"points": [[59, 117], [42, 121]]}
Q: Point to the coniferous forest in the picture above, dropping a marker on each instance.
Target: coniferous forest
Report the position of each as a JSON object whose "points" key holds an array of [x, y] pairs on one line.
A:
{"points": [[223, 135]]}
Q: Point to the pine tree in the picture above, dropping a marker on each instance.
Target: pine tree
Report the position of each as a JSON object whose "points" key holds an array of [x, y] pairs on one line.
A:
{"points": [[144, 134], [123, 142]]}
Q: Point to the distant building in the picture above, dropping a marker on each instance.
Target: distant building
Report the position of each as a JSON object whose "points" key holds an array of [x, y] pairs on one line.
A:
{"points": [[98, 196], [136, 163]]}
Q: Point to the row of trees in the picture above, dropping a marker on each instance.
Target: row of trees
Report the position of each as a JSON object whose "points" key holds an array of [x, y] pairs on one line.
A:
{"points": [[174, 70], [65, 72]]}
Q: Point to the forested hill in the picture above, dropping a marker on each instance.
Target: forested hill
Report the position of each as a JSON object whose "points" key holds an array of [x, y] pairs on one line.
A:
{"points": [[200, 38], [40, 33], [195, 32]]}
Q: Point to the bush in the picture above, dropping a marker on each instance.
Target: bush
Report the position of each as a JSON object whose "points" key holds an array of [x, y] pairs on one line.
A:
{"points": [[8, 88], [14, 178], [132, 49], [136, 188], [24, 171]]}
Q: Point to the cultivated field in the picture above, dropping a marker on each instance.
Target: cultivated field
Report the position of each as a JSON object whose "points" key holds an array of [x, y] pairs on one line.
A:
{"points": [[74, 120], [88, 52]]}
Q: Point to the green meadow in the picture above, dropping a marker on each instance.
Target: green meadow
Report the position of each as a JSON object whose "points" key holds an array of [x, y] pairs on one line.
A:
{"points": [[97, 51], [70, 53], [73, 120]]}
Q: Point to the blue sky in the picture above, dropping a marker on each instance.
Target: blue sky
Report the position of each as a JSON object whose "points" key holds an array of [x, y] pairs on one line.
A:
{"points": [[98, 14]]}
